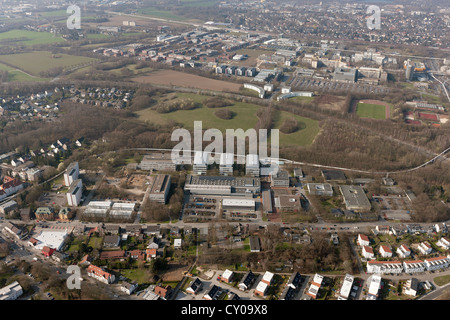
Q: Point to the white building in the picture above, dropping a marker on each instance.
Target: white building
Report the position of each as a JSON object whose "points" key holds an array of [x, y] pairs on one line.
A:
{"points": [[200, 162], [425, 248], [411, 287], [316, 283], [385, 251], [100, 274], [261, 289], [443, 243], [374, 284], [226, 164], [71, 174], [252, 165], [11, 292], [414, 266], [381, 267], [346, 287], [403, 251], [363, 240], [367, 252], [436, 263], [267, 277], [74, 193]]}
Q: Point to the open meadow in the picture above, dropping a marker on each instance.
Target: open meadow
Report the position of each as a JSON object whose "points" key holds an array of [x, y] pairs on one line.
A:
{"points": [[245, 117]]}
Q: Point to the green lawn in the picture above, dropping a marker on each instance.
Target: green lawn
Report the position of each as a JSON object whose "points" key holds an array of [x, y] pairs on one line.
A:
{"points": [[374, 111], [38, 61], [245, 118], [28, 38], [442, 280], [139, 275]]}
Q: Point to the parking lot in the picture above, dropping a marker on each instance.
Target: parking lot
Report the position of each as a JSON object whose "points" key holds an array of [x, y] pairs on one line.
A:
{"points": [[302, 83]]}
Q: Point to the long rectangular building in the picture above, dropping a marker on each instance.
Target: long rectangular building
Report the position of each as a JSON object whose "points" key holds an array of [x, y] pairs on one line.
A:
{"points": [[160, 188], [222, 185]]}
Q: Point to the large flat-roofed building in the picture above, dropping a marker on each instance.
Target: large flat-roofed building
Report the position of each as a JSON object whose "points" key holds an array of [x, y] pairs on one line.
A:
{"points": [[345, 74], [53, 239], [320, 189], [158, 162], [98, 208], [226, 164], [71, 174], [280, 179], [221, 185], [74, 193], [252, 165], [355, 198], [267, 201], [288, 203], [160, 188], [122, 210]]}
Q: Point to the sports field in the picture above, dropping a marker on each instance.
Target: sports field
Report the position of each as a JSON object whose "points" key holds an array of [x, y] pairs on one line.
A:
{"points": [[38, 61], [245, 118], [369, 110]]}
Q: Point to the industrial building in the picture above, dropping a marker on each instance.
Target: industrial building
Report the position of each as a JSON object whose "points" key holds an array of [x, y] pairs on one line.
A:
{"points": [[74, 193], [71, 174], [345, 74], [158, 162], [238, 204], [160, 188], [355, 198], [219, 185], [267, 201]]}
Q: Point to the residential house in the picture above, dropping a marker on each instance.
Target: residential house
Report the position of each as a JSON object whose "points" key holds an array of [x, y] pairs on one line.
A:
{"points": [[385, 251], [383, 229], [425, 248], [151, 254], [381, 267], [13, 229], [294, 281], [212, 293], [163, 292], [261, 289], [403, 251], [111, 241], [363, 240], [443, 243], [367, 252], [100, 274], [267, 278], [195, 286], [414, 266], [440, 262], [128, 287], [346, 287], [227, 276], [314, 288], [411, 287], [45, 213], [374, 285], [247, 281]]}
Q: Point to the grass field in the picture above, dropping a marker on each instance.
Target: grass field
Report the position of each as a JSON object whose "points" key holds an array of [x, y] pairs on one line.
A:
{"points": [[374, 111], [38, 61], [245, 118], [15, 75], [28, 38]]}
